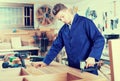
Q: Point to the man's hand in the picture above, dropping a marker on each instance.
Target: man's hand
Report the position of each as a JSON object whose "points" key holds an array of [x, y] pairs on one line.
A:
{"points": [[38, 64], [90, 61]]}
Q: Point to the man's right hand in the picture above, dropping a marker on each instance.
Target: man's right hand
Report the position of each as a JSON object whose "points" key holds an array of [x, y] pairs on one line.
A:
{"points": [[38, 64]]}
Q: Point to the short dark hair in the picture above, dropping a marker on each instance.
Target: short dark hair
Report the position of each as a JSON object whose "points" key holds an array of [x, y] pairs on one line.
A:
{"points": [[57, 8]]}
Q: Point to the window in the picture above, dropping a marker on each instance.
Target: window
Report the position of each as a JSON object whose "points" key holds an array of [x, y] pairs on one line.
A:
{"points": [[28, 16], [16, 15]]}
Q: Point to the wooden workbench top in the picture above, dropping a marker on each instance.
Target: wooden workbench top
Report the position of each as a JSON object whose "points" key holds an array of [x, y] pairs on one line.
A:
{"points": [[59, 69], [54, 72]]}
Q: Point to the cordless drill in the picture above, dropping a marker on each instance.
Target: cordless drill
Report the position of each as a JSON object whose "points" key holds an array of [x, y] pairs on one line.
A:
{"points": [[84, 69], [21, 59], [6, 64]]}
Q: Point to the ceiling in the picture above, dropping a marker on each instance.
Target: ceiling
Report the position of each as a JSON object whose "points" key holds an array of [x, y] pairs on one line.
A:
{"points": [[61, 1], [44, 1]]}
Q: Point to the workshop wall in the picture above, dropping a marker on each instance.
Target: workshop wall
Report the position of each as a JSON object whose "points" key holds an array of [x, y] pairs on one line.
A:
{"points": [[102, 7]]}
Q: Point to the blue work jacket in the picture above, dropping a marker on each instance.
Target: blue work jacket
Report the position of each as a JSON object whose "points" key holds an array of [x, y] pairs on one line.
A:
{"points": [[81, 41]]}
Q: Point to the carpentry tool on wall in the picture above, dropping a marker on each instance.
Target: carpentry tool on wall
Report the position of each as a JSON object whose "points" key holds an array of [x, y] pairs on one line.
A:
{"points": [[106, 20], [114, 23], [84, 69]]}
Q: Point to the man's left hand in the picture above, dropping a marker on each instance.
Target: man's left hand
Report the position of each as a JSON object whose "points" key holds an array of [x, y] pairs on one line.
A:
{"points": [[90, 62]]}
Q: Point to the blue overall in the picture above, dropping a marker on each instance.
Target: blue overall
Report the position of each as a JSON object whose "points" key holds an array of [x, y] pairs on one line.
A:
{"points": [[81, 41]]}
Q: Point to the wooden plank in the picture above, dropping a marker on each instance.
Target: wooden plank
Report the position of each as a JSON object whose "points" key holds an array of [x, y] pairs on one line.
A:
{"points": [[105, 71], [72, 73], [16, 42], [11, 79], [22, 48], [53, 72], [48, 77], [13, 74], [114, 50]]}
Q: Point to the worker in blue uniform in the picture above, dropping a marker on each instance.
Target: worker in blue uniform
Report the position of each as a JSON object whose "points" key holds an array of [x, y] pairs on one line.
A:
{"points": [[80, 37]]}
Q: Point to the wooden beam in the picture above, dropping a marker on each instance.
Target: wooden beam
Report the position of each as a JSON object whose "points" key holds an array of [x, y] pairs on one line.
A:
{"points": [[114, 51]]}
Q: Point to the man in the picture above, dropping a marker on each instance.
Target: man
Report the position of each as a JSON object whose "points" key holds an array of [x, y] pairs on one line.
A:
{"points": [[79, 35]]}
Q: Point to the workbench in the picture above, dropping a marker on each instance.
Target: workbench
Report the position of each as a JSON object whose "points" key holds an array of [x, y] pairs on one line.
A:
{"points": [[20, 49], [53, 72]]}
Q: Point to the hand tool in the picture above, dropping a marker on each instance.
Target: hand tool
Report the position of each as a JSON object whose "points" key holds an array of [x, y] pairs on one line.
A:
{"points": [[84, 69], [21, 59]]}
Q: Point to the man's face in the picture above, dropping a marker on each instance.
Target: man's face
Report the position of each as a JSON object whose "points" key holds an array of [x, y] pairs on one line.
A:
{"points": [[63, 16]]}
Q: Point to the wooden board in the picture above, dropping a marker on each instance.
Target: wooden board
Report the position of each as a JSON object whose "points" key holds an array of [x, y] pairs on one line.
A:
{"points": [[53, 72], [16, 42], [53, 77], [114, 51], [12, 74], [70, 74]]}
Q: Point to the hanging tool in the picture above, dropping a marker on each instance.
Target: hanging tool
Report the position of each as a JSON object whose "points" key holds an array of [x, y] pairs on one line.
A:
{"points": [[111, 23], [114, 2], [106, 22]]}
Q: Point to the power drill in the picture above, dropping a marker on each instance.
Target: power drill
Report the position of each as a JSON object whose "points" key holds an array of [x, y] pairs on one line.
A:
{"points": [[83, 64], [21, 59], [6, 64]]}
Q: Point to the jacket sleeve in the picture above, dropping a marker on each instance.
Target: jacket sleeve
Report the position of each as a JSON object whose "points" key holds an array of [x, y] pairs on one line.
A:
{"points": [[55, 49], [96, 38]]}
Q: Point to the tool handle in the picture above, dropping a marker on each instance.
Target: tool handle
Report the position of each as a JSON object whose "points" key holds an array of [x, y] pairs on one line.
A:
{"points": [[22, 61]]}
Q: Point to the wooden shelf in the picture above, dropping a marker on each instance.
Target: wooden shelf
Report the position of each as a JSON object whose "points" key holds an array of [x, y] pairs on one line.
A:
{"points": [[23, 48], [23, 33]]}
